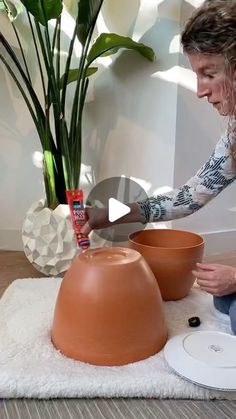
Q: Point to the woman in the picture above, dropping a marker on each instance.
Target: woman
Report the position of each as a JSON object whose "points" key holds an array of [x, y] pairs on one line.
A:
{"points": [[209, 40]]}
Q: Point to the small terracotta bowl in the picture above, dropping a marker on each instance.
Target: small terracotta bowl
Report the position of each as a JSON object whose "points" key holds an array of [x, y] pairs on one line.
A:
{"points": [[109, 309], [172, 255]]}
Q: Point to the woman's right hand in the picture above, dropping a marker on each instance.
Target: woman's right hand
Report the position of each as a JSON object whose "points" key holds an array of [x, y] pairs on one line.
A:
{"points": [[96, 218]]}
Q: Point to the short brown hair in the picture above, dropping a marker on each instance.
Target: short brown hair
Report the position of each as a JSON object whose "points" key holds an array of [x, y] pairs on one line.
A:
{"points": [[212, 30]]}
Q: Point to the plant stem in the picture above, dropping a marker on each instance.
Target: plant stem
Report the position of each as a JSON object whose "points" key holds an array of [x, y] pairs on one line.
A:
{"points": [[78, 144], [22, 52], [54, 37], [58, 54], [76, 97], [54, 98], [53, 84], [67, 67], [38, 57], [76, 117], [66, 161]]}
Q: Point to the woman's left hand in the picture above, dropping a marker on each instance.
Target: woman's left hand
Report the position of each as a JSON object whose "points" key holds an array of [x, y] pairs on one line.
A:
{"points": [[216, 279]]}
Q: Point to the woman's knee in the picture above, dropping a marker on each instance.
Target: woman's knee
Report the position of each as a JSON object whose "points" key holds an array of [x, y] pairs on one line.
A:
{"points": [[232, 315], [222, 303]]}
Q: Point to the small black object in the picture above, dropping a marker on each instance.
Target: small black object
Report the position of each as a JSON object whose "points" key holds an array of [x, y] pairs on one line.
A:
{"points": [[194, 321]]}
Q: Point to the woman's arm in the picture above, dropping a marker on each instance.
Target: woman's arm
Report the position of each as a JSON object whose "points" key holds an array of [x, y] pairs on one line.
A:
{"points": [[217, 173]]}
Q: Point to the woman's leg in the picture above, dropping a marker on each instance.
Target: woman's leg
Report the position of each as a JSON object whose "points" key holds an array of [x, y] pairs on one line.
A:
{"points": [[227, 305], [223, 303], [232, 315]]}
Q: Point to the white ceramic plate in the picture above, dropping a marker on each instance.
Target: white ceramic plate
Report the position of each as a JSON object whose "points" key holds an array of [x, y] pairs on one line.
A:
{"points": [[207, 358]]}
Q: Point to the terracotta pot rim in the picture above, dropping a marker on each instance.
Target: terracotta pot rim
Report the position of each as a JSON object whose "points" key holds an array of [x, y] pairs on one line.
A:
{"points": [[132, 235], [100, 256]]}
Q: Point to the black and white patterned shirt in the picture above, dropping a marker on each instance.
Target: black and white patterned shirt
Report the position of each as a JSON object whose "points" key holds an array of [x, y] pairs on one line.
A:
{"points": [[217, 173]]}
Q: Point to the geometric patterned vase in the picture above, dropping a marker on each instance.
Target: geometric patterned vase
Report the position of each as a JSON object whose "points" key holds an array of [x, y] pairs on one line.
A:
{"points": [[48, 238]]}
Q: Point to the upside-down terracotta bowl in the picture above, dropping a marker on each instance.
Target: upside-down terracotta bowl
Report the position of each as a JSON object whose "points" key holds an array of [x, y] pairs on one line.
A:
{"points": [[172, 255], [109, 309]]}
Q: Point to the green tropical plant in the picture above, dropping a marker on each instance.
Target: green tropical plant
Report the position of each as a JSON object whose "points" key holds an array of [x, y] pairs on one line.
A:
{"points": [[60, 136]]}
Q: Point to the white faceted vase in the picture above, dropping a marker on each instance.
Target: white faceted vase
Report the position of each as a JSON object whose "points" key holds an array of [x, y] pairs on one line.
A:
{"points": [[48, 238]]}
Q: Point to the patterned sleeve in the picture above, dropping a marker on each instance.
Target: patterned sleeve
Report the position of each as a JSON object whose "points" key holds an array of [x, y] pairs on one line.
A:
{"points": [[217, 173]]}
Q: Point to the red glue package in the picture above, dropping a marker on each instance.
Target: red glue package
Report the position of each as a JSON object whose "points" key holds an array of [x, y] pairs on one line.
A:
{"points": [[78, 216]]}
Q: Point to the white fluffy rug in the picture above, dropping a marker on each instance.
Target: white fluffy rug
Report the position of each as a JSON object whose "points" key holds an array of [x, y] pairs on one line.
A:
{"points": [[31, 367]]}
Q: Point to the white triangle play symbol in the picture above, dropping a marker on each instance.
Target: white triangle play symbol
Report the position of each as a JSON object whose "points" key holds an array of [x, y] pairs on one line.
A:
{"points": [[116, 209]]}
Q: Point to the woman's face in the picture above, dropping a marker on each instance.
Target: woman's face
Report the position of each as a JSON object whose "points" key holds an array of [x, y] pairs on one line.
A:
{"points": [[212, 81]]}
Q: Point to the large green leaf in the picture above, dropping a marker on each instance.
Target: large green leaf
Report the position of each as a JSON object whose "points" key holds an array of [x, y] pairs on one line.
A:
{"points": [[10, 8], [52, 9], [87, 14], [73, 75], [108, 43]]}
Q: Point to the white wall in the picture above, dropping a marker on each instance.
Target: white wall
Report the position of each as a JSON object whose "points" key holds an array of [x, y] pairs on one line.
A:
{"points": [[141, 119]]}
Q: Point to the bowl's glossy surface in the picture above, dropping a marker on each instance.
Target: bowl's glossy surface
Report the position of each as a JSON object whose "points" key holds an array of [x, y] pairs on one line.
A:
{"points": [[172, 255], [109, 309]]}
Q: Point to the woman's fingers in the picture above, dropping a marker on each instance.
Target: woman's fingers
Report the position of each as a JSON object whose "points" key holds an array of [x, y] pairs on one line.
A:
{"points": [[86, 229], [209, 290], [207, 266], [202, 274]]}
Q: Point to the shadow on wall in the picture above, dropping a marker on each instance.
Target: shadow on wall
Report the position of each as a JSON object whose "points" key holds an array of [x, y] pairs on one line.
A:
{"points": [[116, 86], [9, 111], [115, 93], [17, 133], [22, 26], [16, 153], [10, 148], [120, 15]]}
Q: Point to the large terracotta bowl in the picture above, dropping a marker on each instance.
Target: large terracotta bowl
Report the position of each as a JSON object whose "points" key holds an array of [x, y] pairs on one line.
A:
{"points": [[109, 309], [171, 254]]}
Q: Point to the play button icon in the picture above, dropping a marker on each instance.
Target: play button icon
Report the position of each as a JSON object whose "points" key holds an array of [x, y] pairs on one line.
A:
{"points": [[116, 210], [115, 193]]}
